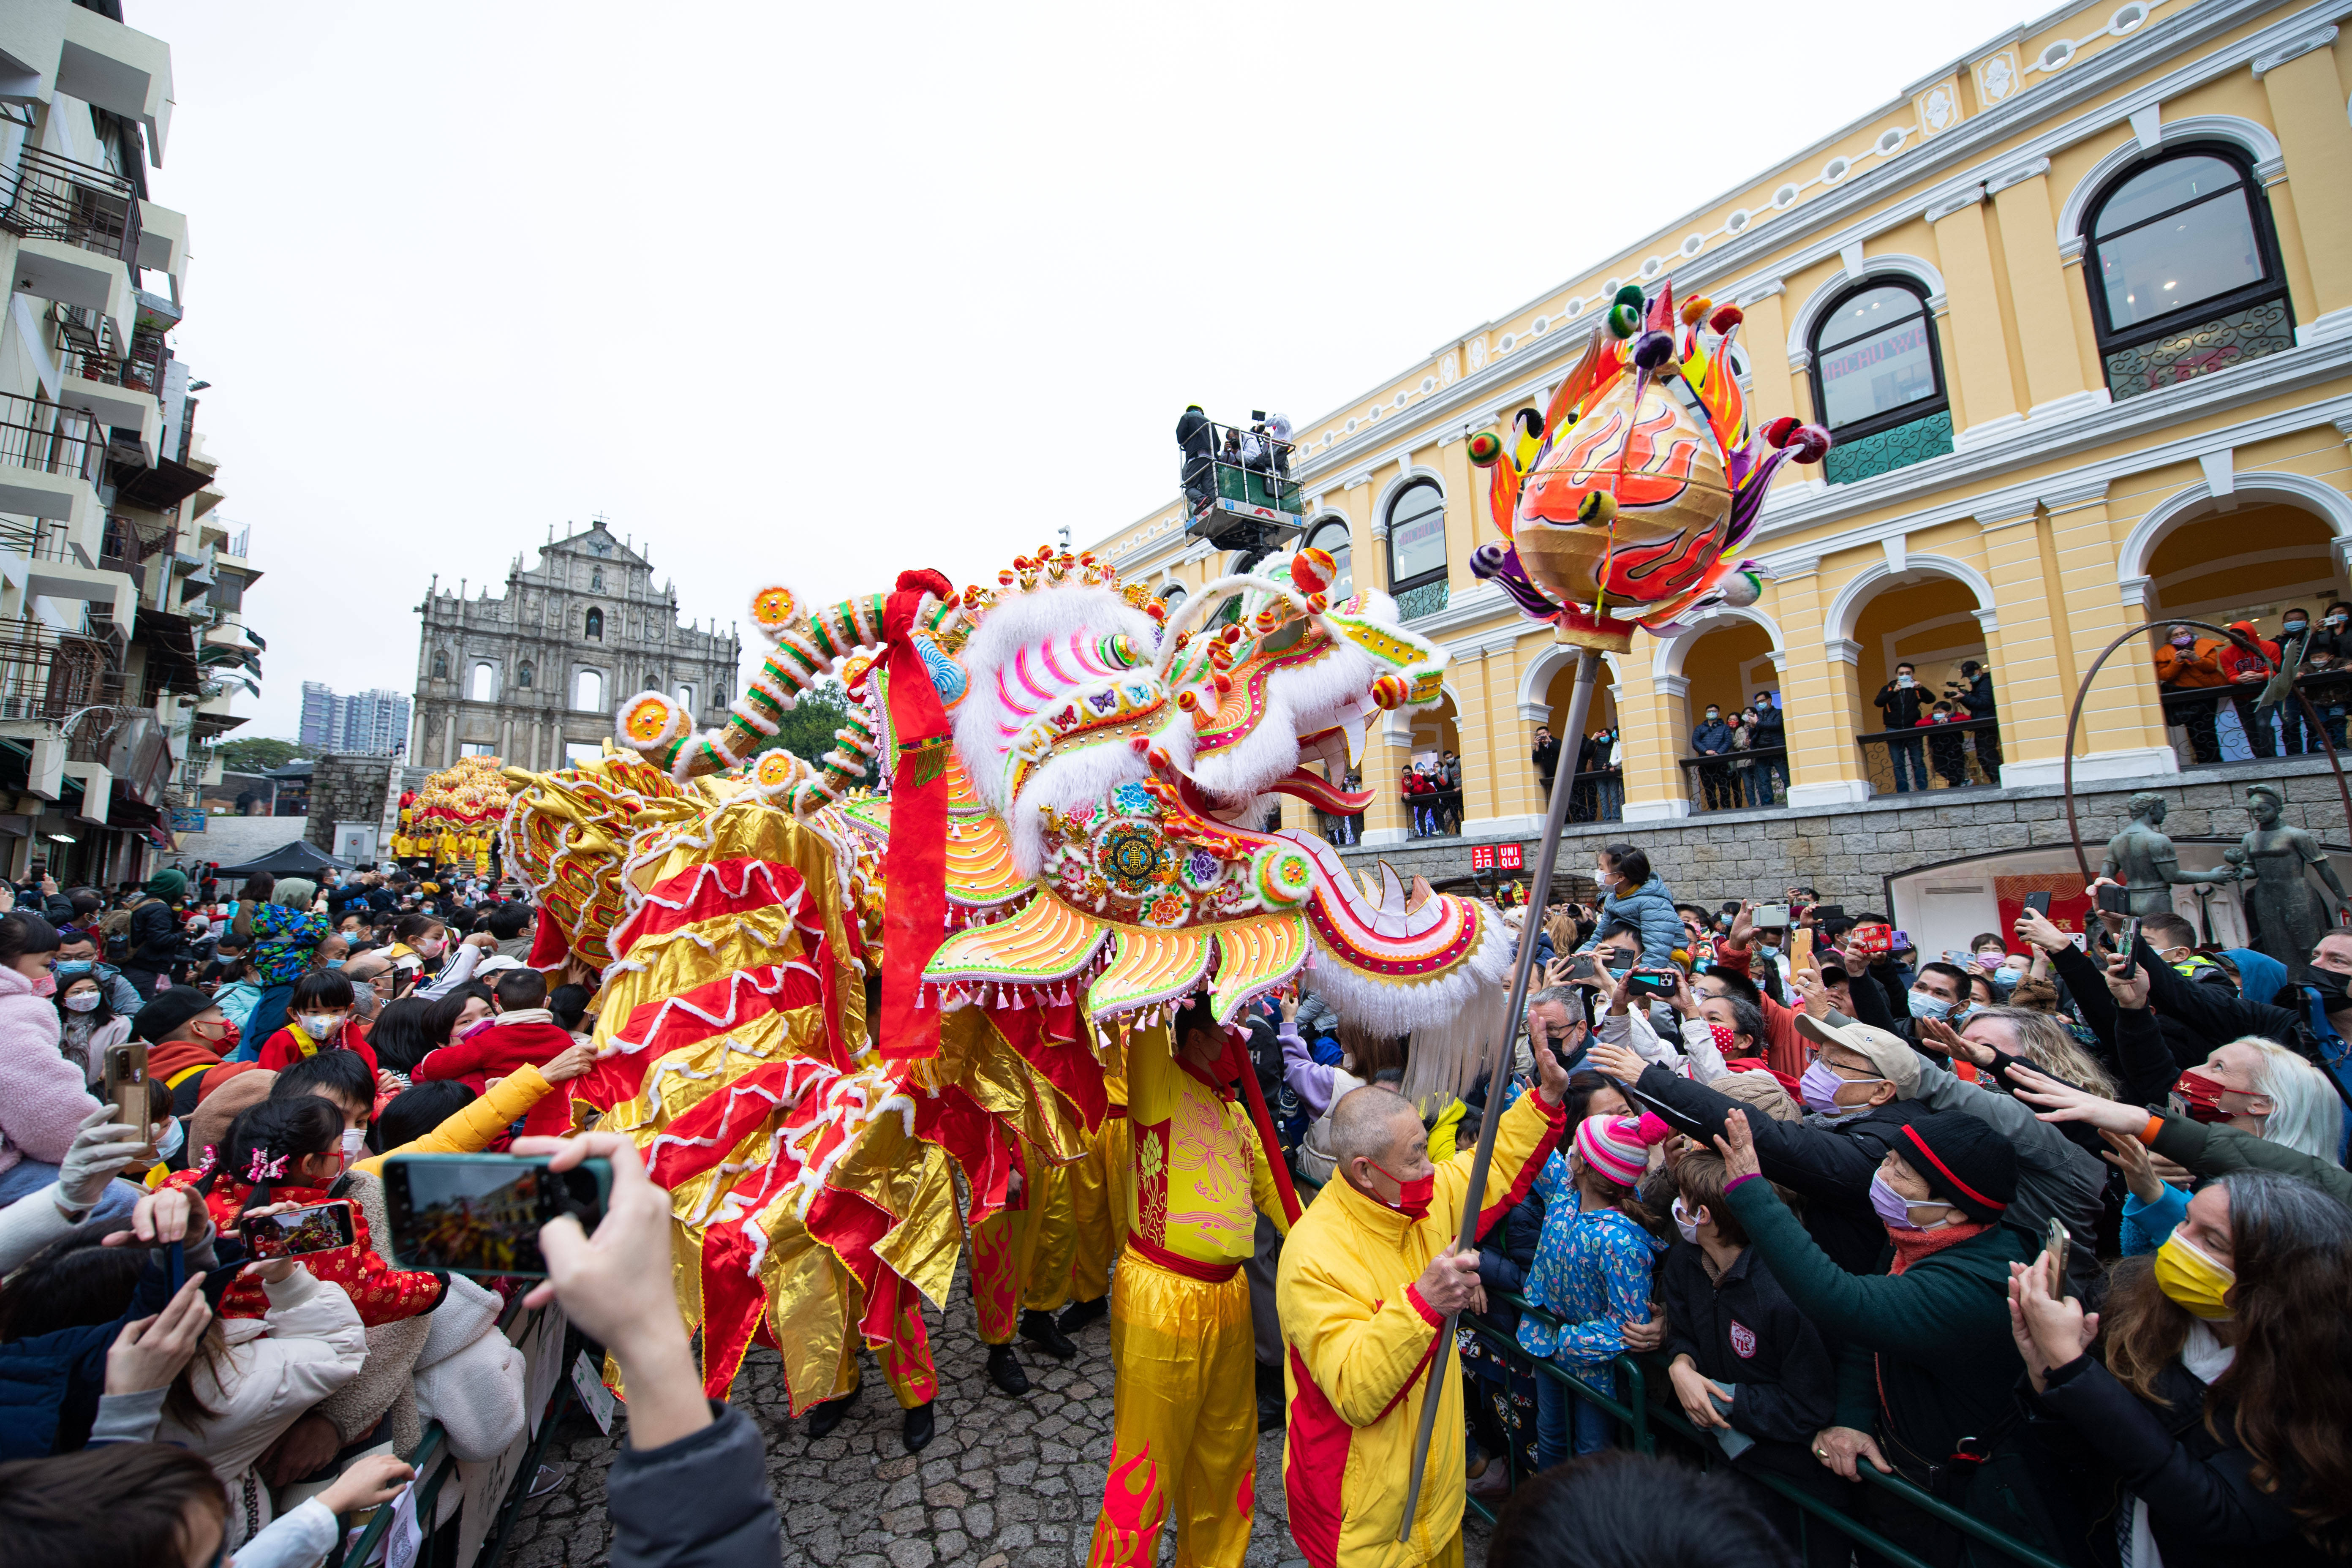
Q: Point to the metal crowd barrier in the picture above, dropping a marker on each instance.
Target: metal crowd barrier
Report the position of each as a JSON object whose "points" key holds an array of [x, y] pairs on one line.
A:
{"points": [[436, 1467], [1641, 1419]]}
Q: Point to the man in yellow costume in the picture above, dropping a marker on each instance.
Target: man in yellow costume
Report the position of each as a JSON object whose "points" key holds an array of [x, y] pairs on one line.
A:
{"points": [[1367, 1281], [1184, 1420], [1021, 1267]]}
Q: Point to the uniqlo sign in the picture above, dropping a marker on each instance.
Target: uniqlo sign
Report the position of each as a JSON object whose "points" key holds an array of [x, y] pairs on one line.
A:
{"points": [[1482, 857], [1509, 858]]}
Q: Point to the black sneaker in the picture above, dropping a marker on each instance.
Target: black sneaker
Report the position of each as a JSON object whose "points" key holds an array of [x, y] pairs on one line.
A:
{"points": [[1269, 1412], [916, 1432], [1079, 1315], [1005, 1371], [830, 1415], [1040, 1330]]}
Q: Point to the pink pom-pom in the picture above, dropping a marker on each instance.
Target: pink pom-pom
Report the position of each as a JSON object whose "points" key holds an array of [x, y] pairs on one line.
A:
{"points": [[1777, 433], [1808, 444]]}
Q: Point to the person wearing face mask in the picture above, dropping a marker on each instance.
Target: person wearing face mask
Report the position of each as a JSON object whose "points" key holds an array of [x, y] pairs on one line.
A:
{"points": [[88, 1024], [78, 954], [1902, 702], [2201, 1409], [1747, 1366], [1711, 737], [1591, 1273], [319, 1019], [2186, 662], [1926, 1364], [2313, 1017], [1367, 1280], [1635, 901], [275, 921], [2249, 666], [1853, 1120], [43, 1097]]}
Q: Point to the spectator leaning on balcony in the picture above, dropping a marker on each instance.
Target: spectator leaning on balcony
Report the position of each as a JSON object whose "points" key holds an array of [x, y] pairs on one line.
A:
{"points": [[1769, 734], [1972, 696], [2247, 671], [1901, 704], [2188, 662], [1711, 737]]}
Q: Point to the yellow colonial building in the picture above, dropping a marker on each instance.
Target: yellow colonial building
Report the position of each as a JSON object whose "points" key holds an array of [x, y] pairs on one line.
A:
{"points": [[2077, 311]]}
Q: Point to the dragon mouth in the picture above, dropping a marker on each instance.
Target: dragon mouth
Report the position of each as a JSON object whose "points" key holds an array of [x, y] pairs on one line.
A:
{"points": [[1321, 794]]}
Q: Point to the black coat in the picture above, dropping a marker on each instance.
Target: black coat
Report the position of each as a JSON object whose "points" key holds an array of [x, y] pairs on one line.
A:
{"points": [[1744, 1330], [1829, 1167], [157, 942], [1547, 758], [2203, 1507], [1902, 705]]}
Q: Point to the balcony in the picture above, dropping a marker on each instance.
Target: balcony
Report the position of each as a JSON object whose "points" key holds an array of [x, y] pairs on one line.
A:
{"points": [[1884, 451], [113, 383], [79, 225], [51, 458], [1963, 755], [2212, 725], [1738, 780], [45, 674]]}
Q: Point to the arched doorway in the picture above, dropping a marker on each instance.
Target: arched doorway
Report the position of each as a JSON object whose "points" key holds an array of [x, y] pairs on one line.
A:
{"points": [[1723, 666], [1435, 754], [2267, 559], [1927, 693]]}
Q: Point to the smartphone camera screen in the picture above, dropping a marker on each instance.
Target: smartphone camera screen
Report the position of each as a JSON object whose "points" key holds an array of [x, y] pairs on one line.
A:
{"points": [[481, 1215], [299, 1233]]}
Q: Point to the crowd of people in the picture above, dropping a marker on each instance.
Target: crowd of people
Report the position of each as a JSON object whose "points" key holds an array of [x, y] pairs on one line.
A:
{"points": [[2228, 678], [2057, 1230], [1754, 746]]}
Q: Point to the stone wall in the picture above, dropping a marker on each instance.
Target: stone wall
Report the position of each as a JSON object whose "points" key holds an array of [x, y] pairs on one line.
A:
{"points": [[1848, 853], [344, 789]]}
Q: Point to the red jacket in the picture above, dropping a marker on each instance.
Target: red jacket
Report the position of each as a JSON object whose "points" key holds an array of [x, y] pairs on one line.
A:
{"points": [[2236, 661], [290, 1044], [496, 1049]]}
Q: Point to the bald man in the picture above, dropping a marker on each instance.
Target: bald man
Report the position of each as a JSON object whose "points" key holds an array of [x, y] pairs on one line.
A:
{"points": [[1368, 1276]]}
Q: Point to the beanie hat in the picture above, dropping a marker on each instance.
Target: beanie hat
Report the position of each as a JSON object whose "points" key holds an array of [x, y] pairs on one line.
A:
{"points": [[1965, 1162], [1619, 1146], [168, 1013]]}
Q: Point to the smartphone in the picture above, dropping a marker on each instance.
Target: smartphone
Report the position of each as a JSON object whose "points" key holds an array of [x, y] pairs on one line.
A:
{"points": [[2130, 935], [2114, 901], [2039, 903], [1825, 914], [1652, 983], [1584, 967], [1771, 916], [1801, 948], [125, 1068], [298, 1233], [480, 1213], [2054, 1243]]}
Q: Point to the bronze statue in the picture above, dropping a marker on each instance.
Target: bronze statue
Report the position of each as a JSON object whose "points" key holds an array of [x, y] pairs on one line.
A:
{"points": [[2287, 913], [2141, 858]]}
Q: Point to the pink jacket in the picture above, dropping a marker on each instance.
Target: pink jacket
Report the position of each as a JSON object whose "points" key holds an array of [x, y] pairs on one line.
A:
{"points": [[42, 1100]]}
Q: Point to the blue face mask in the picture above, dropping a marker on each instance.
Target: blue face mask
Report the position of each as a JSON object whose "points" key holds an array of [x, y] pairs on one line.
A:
{"points": [[334, 964], [1963, 1014], [1926, 1006], [71, 969]]}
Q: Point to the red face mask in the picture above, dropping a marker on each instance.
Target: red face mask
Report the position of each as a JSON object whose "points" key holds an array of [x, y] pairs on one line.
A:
{"points": [[1412, 1197], [2202, 1095]]}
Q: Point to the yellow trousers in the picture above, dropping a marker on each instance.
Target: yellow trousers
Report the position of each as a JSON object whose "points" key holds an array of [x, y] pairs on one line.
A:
{"points": [[1184, 1420], [1021, 1257], [1096, 1207]]}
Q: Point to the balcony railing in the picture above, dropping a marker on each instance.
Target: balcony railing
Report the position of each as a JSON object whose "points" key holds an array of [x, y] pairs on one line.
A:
{"points": [[1963, 754], [47, 674], [88, 347], [39, 435], [2213, 725], [50, 197], [1738, 780]]}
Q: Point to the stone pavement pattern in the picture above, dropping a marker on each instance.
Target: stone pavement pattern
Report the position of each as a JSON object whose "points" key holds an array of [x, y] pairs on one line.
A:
{"points": [[1006, 1483]]}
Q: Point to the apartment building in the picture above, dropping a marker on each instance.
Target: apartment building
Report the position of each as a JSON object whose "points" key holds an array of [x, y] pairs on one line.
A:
{"points": [[2077, 310], [363, 724], [122, 634]]}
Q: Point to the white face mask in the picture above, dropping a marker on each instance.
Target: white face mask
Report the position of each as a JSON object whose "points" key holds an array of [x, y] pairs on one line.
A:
{"points": [[1904, 680], [82, 1000], [355, 1140], [168, 1143], [321, 1026], [1683, 1223]]}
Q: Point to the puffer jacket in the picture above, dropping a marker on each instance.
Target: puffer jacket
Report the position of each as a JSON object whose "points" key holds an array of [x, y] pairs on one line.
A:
{"points": [[42, 1100], [1648, 911], [1357, 1342]]}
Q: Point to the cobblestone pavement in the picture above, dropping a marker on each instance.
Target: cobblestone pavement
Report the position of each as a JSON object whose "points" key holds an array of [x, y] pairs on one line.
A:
{"points": [[1007, 1483]]}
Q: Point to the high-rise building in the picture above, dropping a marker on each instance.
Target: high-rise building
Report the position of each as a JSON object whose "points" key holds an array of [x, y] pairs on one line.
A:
{"points": [[323, 718], [365, 723]]}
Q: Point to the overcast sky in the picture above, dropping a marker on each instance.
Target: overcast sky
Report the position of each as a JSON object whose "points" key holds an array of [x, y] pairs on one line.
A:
{"points": [[820, 293]]}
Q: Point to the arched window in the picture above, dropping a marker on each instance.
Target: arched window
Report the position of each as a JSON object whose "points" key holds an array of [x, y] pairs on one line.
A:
{"points": [[484, 685], [686, 698], [1879, 382], [522, 675], [1171, 594], [1333, 537], [588, 691], [596, 624], [2184, 272], [440, 667], [1417, 549]]}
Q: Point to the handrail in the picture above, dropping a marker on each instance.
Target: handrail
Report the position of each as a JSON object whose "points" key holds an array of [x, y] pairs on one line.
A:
{"points": [[380, 1523], [1665, 1414]]}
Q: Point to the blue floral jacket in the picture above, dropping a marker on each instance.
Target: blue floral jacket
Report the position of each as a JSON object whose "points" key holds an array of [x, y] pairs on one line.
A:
{"points": [[1591, 1271]]}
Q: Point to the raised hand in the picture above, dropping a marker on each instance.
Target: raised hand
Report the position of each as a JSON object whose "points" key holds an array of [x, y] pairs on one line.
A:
{"points": [[1618, 1061], [2064, 1102], [1737, 1144]]}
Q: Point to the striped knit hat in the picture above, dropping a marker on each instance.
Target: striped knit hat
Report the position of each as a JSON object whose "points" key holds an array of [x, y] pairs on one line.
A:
{"points": [[1617, 1147]]}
